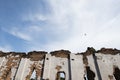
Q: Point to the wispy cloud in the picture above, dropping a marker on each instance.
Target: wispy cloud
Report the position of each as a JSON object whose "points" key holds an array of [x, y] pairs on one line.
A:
{"points": [[25, 33], [34, 17], [73, 25], [86, 23]]}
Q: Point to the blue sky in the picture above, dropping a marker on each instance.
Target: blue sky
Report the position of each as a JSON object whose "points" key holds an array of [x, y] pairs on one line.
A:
{"points": [[27, 25]]}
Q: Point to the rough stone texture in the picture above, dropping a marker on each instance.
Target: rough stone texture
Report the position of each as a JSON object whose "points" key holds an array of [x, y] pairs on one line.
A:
{"points": [[53, 65], [35, 56], [58, 68], [9, 66], [106, 65], [26, 68], [108, 51], [61, 53], [89, 51], [103, 64]]}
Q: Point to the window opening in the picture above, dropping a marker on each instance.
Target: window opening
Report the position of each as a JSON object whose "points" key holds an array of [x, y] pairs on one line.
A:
{"points": [[60, 76], [116, 73], [33, 76], [89, 75]]}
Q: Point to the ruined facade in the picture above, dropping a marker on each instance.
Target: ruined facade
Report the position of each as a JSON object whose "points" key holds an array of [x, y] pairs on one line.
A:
{"points": [[103, 64]]}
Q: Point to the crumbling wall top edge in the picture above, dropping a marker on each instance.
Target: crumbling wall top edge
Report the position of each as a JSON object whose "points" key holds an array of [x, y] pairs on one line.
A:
{"points": [[89, 51], [3, 54], [36, 55], [112, 51], [61, 53]]}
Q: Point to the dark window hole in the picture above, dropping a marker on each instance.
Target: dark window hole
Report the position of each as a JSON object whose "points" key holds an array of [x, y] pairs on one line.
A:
{"points": [[116, 73], [72, 59], [89, 75], [60, 75]]}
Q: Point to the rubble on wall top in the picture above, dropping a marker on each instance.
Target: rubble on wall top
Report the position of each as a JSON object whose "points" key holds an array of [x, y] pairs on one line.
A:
{"points": [[39, 55], [2, 54], [89, 51], [61, 53], [109, 51], [36, 55], [21, 54]]}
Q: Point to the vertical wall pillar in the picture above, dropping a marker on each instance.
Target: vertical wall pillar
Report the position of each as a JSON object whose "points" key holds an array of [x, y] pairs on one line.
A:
{"points": [[47, 67], [56, 62], [106, 64], [8, 66], [91, 66], [77, 67]]}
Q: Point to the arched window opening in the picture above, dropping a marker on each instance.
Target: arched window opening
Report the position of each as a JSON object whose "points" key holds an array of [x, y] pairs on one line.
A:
{"points": [[116, 73], [60, 75], [89, 75], [33, 76]]}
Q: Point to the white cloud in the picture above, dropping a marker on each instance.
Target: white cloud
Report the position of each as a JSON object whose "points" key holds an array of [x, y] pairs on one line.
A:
{"points": [[99, 20], [75, 25], [20, 34], [25, 33]]}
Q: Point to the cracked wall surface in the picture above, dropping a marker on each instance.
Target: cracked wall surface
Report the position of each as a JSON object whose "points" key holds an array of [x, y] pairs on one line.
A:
{"points": [[103, 64]]}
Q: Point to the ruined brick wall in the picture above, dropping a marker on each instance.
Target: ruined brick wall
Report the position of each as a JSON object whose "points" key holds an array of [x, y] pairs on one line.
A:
{"points": [[103, 64]]}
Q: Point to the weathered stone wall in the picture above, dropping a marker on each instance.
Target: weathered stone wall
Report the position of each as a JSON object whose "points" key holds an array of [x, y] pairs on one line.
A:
{"points": [[103, 64]]}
